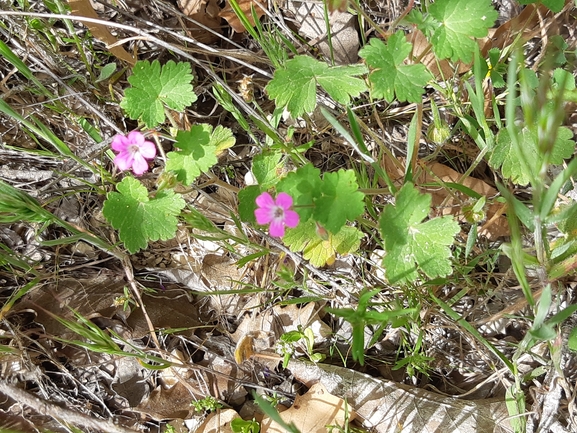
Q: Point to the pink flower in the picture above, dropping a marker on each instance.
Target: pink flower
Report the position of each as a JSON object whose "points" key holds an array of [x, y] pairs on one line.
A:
{"points": [[276, 212], [133, 151]]}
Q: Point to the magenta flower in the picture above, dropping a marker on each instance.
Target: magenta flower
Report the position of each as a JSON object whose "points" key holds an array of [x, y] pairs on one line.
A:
{"points": [[276, 212], [133, 151]]}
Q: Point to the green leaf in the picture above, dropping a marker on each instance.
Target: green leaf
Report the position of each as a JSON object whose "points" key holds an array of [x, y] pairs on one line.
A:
{"points": [[154, 87], [295, 86], [238, 425], [340, 201], [568, 221], [357, 319], [140, 219], [459, 22], [389, 76], [318, 251], [425, 22], [558, 48], [303, 185], [572, 341], [507, 157], [106, 72], [497, 69], [412, 245], [197, 220], [197, 152], [561, 77], [331, 201], [247, 202], [222, 139], [266, 168]]}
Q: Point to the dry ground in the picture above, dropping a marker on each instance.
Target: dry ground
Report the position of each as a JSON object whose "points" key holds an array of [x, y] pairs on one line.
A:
{"points": [[223, 343]]}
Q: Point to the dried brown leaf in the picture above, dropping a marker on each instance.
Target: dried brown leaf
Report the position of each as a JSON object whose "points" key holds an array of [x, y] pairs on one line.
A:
{"points": [[281, 319], [167, 403], [205, 12], [95, 299], [245, 5], [311, 412], [388, 407], [451, 202], [423, 52], [83, 8], [218, 422]]}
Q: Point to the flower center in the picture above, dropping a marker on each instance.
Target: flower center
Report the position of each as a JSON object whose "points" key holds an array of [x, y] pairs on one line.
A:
{"points": [[134, 149], [279, 212]]}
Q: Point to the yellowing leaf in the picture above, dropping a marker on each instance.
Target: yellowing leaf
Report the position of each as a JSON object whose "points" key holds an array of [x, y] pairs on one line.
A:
{"points": [[320, 252]]}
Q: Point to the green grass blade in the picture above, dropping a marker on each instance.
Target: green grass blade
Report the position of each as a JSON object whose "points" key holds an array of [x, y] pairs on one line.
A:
{"points": [[467, 326], [9, 55]]}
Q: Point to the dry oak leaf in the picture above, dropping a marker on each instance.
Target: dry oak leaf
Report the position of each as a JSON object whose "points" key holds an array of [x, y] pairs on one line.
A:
{"points": [[205, 12], [83, 8], [311, 412], [218, 422], [245, 5]]}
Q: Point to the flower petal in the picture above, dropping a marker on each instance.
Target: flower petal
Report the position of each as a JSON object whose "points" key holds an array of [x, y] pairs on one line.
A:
{"points": [[148, 149], [119, 143], [276, 228], [291, 218], [263, 215], [265, 201], [135, 137], [124, 160], [139, 165], [284, 200]]}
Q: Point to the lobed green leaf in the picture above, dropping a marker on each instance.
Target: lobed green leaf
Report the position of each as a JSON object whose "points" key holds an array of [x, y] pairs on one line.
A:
{"points": [[295, 86], [411, 244], [154, 87], [140, 219], [389, 77]]}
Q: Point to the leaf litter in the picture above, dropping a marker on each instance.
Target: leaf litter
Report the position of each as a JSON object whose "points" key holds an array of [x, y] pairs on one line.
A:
{"points": [[205, 358]]}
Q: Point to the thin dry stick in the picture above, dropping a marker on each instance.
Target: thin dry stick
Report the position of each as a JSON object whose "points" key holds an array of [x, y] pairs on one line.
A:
{"points": [[59, 413]]}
